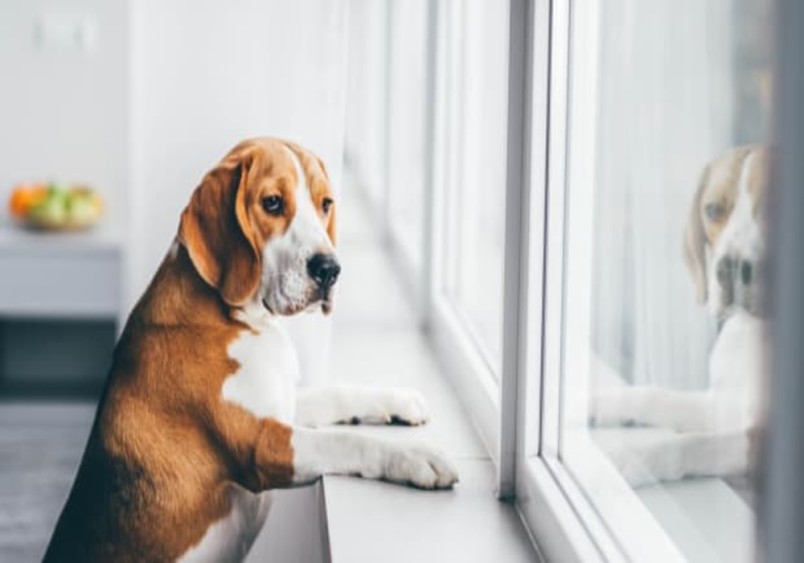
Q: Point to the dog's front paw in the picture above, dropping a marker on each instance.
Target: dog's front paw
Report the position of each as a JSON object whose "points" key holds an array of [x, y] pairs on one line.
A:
{"points": [[392, 406], [405, 406], [420, 467], [606, 407]]}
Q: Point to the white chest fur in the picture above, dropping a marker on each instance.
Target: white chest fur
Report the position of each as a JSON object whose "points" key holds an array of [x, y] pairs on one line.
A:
{"points": [[265, 382], [265, 385], [736, 365], [230, 538]]}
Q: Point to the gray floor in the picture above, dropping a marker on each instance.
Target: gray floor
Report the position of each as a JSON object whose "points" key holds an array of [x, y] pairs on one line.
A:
{"points": [[40, 447]]}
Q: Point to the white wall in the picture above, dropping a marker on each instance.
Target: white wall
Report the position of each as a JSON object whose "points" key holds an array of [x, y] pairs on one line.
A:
{"points": [[63, 112]]}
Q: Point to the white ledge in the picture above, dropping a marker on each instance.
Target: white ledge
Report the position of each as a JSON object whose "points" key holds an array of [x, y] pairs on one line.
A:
{"points": [[369, 521]]}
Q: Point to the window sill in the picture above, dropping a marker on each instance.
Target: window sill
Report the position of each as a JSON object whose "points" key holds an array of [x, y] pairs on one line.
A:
{"points": [[374, 521], [685, 509]]}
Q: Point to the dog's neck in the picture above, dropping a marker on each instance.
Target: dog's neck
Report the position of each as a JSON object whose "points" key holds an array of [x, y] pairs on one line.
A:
{"points": [[177, 296], [733, 312]]}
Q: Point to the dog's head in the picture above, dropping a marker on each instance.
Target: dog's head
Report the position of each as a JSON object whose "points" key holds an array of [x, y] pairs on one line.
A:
{"points": [[261, 228], [724, 243]]}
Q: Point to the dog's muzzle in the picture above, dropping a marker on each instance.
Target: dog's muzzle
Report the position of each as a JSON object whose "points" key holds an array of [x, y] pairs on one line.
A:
{"points": [[739, 279]]}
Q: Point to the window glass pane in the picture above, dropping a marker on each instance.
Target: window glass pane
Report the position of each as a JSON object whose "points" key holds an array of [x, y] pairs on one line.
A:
{"points": [[664, 256], [367, 100], [406, 122], [474, 204]]}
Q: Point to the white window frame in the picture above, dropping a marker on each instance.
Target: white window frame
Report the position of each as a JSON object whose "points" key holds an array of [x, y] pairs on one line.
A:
{"points": [[555, 502]]}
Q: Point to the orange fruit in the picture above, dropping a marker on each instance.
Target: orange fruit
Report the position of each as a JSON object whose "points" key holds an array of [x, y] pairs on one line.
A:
{"points": [[24, 197]]}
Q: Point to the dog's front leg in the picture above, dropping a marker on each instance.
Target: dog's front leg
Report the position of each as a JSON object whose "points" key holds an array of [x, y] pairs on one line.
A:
{"points": [[321, 452], [669, 456], [266, 453], [682, 411], [320, 406]]}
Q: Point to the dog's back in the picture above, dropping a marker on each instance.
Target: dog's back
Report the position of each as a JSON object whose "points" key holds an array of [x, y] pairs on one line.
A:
{"points": [[151, 478]]}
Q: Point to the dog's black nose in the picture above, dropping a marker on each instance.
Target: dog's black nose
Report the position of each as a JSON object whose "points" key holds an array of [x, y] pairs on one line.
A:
{"points": [[746, 273], [324, 270]]}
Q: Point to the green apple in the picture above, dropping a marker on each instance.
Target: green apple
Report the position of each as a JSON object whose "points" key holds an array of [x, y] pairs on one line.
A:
{"points": [[81, 207], [52, 210]]}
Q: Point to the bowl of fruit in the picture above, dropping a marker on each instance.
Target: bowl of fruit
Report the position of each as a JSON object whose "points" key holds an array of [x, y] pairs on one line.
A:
{"points": [[51, 207]]}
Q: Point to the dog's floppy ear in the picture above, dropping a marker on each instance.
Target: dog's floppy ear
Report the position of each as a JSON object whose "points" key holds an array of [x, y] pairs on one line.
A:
{"points": [[695, 241], [332, 231], [215, 230]]}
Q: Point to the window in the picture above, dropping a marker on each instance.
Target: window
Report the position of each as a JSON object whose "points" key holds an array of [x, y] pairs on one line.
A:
{"points": [[476, 33], [464, 311], [658, 141], [406, 126], [367, 101], [576, 293], [387, 132], [432, 88]]}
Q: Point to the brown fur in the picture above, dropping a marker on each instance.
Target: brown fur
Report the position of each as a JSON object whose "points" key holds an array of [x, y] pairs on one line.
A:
{"points": [[165, 446]]}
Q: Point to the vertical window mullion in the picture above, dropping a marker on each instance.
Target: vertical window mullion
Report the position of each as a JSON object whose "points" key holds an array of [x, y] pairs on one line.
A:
{"points": [[433, 109], [516, 236]]}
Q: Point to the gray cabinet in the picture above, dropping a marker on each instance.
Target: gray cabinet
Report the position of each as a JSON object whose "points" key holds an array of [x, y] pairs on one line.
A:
{"points": [[60, 301]]}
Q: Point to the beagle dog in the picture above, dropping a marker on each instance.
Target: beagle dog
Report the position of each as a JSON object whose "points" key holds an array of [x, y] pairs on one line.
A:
{"points": [[200, 417], [710, 432]]}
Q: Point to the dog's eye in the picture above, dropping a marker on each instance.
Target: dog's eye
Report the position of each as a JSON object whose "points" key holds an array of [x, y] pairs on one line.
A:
{"points": [[326, 204], [272, 204], [714, 211]]}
